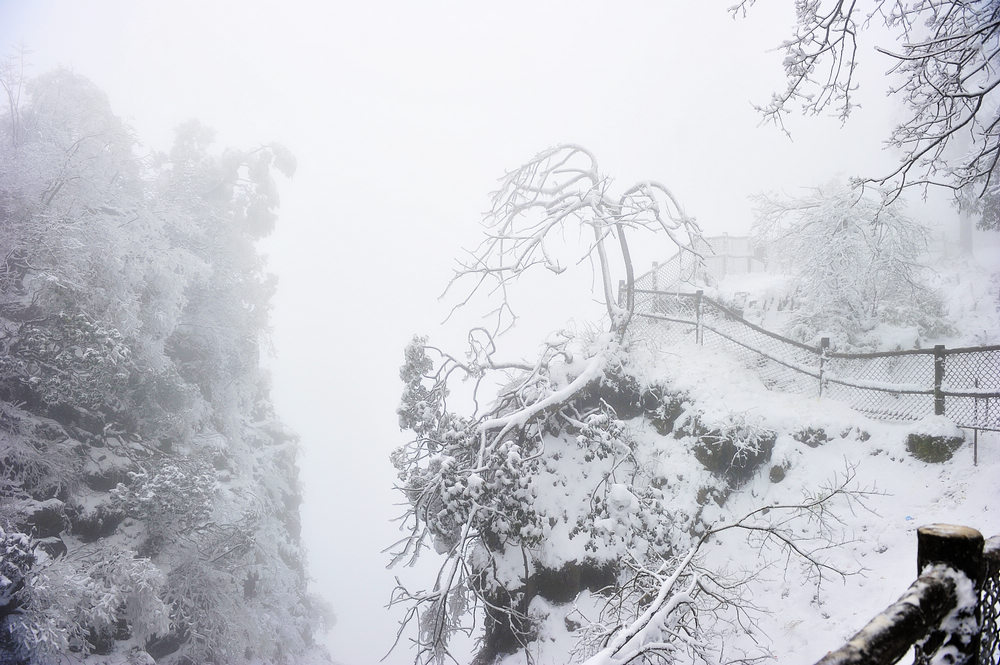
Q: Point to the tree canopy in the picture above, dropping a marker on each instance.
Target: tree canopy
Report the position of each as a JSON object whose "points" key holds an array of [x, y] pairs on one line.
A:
{"points": [[944, 68], [147, 488]]}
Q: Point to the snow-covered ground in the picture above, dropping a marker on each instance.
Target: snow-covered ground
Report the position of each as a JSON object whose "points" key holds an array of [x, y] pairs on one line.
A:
{"points": [[800, 620]]}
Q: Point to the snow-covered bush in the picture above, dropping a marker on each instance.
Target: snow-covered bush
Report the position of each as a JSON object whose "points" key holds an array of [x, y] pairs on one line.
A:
{"points": [[74, 603], [35, 456], [71, 360], [855, 262], [170, 497], [16, 559], [733, 448]]}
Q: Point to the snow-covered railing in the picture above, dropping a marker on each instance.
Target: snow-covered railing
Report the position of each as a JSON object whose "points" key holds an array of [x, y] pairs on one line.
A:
{"points": [[948, 615], [962, 384]]}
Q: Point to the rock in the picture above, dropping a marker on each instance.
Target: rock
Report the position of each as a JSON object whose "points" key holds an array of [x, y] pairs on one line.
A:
{"points": [[104, 473], [98, 523], [813, 437], [162, 646], [736, 461], [52, 546], [931, 448], [46, 518], [563, 585], [777, 473], [934, 439]]}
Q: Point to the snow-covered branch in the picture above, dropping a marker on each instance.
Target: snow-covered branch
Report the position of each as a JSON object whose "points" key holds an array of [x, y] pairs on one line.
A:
{"points": [[557, 194]]}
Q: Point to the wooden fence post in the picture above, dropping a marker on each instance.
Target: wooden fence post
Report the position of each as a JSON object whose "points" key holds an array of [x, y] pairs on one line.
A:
{"points": [[621, 293], [918, 614], [959, 548], [824, 348], [938, 379]]}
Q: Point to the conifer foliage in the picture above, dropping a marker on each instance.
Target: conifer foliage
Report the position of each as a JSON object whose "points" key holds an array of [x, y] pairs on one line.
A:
{"points": [[148, 494]]}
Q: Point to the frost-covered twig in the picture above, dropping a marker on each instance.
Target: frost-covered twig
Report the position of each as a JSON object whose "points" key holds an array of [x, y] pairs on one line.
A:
{"points": [[562, 192], [690, 592]]}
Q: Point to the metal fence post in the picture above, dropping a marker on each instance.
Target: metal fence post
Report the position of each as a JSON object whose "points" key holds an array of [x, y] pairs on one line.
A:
{"points": [[959, 548], [938, 379], [699, 327], [824, 349]]}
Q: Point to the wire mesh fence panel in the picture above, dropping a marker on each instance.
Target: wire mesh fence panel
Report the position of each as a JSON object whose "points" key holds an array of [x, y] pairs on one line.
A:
{"points": [[662, 333], [895, 386], [971, 386], [671, 305], [883, 404], [989, 604], [900, 385], [773, 373], [783, 364], [682, 268], [665, 318]]}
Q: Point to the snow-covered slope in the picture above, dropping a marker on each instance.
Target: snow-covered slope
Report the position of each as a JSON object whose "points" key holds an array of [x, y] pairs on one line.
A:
{"points": [[872, 538]]}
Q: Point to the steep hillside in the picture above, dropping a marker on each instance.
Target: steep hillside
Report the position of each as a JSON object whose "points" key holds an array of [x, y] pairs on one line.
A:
{"points": [[148, 495], [561, 524], [648, 494], [862, 547]]}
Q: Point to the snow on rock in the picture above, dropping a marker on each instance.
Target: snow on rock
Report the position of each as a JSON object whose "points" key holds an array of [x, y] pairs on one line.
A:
{"points": [[936, 426]]}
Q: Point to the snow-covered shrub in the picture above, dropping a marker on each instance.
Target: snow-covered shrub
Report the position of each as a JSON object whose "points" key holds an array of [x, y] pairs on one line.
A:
{"points": [[670, 408], [70, 359], [31, 460], [221, 623], [16, 559], [72, 603], [811, 436], [169, 497], [733, 448]]}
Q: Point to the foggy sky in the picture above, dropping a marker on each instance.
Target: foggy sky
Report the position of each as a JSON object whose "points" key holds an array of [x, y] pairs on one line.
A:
{"points": [[402, 116]]}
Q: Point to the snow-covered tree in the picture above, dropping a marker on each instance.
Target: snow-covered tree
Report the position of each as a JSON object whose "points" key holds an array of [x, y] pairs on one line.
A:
{"points": [[141, 461], [541, 490], [559, 194], [944, 69], [855, 264]]}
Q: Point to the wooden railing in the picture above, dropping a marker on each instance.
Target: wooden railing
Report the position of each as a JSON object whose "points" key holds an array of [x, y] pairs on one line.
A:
{"points": [[949, 615]]}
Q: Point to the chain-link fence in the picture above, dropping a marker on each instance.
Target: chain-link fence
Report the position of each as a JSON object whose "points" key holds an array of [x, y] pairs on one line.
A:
{"points": [[989, 604], [963, 384], [682, 268]]}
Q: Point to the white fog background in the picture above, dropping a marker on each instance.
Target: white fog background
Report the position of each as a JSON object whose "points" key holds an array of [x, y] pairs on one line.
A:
{"points": [[402, 115]]}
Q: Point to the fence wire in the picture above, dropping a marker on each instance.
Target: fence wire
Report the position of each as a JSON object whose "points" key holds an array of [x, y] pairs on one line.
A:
{"points": [[895, 386], [682, 268], [970, 384], [989, 604], [963, 384]]}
